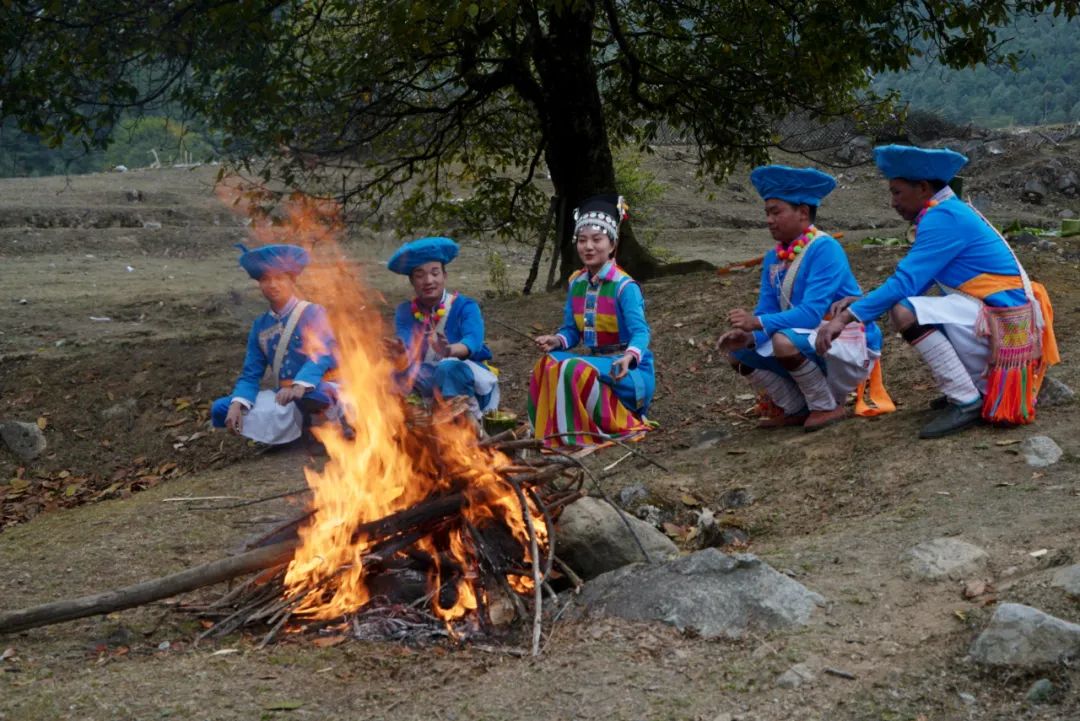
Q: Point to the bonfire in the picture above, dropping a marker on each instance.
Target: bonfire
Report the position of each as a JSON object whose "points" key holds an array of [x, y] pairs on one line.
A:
{"points": [[415, 526]]}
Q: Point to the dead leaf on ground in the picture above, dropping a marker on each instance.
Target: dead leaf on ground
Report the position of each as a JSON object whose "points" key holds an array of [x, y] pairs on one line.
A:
{"points": [[42, 422], [1007, 442], [689, 500], [673, 530]]}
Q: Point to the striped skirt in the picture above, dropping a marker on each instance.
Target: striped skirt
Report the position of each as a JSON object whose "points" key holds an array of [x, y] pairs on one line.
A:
{"points": [[570, 406]]}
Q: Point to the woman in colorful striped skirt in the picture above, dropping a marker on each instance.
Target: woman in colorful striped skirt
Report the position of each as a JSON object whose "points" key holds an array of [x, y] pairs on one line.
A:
{"points": [[582, 399]]}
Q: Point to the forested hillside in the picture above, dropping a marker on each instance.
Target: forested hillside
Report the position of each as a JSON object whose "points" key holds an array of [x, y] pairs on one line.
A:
{"points": [[138, 144], [1045, 89]]}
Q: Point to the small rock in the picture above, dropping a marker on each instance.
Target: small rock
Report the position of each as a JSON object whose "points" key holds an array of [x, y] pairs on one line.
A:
{"points": [[122, 415], [151, 225], [1042, 691], [25, 440], [1068, 579], [133, 196], [1066, 214], [1046, 244], [945, 558], [967, 698], [1067, 183], [1025, 637], [795, 676], [1055, 393], [1040, 451], [594, 539], [1024, 239], [1033, 192], [632, 494], [709, 437], [714, 535], [651, 515], [737, 498]]}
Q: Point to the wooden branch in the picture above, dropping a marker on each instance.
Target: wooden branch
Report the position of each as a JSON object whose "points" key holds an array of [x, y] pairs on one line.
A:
{"points": [[147, 591]]}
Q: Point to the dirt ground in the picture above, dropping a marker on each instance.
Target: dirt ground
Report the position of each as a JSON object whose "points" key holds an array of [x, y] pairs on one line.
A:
{"points": [[124, 403]]}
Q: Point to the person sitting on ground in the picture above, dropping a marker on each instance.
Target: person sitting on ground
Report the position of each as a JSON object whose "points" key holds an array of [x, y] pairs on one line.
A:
{"points": [[440, 332], [989, 338], [773, 347], [278, 346], [582, 399]]}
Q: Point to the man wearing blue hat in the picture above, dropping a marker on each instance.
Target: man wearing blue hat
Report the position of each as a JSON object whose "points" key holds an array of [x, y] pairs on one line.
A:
{"points": [[276, 347], [441, 333], [989, 337], [773, 347]]}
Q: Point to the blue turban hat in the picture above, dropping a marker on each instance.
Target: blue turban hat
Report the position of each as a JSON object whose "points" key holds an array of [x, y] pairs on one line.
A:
{"points": [[798, 186], [417, 252], [911, 163], [291, 259]]}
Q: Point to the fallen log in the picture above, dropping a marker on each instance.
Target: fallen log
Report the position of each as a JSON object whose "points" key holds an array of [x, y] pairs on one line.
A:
{"points": [[147, 591]]}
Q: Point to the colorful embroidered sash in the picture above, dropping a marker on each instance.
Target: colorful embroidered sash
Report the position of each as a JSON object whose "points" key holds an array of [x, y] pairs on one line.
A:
{"points": [[1021, 338], [595, 304]]}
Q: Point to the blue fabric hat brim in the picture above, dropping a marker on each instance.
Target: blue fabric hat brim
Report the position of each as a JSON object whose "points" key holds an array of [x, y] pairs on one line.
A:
{"points": [[798, 186], [291, 259], [911, 163], [417, 252]]}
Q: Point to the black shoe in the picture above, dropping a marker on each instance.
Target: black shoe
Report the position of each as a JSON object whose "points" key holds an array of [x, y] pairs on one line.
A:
{"points": [[952, 420], [939, 404]]}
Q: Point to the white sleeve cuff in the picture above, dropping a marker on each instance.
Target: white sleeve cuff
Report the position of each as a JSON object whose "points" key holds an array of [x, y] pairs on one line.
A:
{"points": [[636, 352], [563, 340], [303, 384], [244, 402]]}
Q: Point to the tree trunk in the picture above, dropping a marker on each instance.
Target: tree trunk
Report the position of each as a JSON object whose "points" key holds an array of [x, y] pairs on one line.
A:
{"points": [[577, 152]]}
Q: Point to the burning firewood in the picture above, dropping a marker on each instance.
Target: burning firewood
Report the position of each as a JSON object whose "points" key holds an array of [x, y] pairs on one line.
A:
{"points": [[263, 600]]}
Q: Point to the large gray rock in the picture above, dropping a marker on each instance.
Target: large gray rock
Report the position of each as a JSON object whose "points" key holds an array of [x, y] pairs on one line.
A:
{"points": [[708, 592], [1055, 393], [25, 440], [1068, 579], [1025, 637], [1040, 451], [593, 538], [943, 558]]}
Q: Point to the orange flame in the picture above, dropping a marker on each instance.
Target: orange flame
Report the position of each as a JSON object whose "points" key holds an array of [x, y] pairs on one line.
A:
{"points": [[385, 466]]}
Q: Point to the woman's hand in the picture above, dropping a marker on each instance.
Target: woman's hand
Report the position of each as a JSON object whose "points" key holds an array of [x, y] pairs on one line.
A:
{"points": [[548, 343], [621, 366]]}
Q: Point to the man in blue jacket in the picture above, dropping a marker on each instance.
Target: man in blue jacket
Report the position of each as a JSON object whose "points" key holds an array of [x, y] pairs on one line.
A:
{"points": [[773, 346], [441, 332], [988, 337], [291, 343]]}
